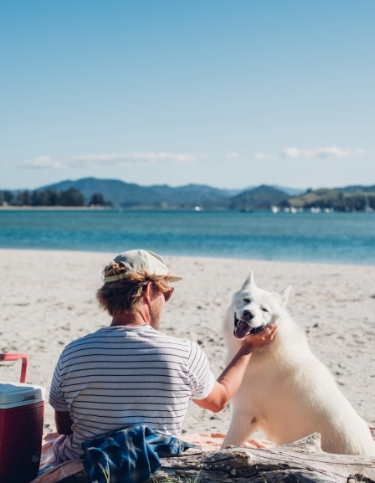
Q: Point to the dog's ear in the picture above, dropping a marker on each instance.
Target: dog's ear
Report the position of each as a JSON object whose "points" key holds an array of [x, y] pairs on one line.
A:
{"points": [[284, 294], [249, 281]]}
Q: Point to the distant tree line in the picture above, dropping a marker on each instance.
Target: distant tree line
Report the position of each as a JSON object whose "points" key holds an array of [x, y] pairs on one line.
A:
{"points": [[50, 197]]}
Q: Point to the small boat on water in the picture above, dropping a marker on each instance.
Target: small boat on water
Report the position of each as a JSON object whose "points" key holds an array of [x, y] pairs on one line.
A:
{"points": [[368, 208]]}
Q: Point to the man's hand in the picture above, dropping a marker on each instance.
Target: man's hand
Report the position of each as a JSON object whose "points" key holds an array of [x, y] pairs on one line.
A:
{"points": [[230, 380], [260, 338]]}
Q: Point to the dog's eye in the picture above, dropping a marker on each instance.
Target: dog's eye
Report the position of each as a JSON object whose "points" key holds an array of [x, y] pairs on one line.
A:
{"points": [[247, 301], [264, 310]]}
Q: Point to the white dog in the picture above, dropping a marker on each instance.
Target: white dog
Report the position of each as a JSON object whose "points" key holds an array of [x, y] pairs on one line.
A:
{"points": [[286, 391]]}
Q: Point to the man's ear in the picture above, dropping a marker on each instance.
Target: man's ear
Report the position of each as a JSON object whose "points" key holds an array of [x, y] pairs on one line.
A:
{"points": [[284, 294], [147, 293]]}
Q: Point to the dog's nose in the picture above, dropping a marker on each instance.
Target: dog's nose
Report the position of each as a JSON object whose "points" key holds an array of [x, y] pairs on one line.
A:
{"points": [[248, 314]]}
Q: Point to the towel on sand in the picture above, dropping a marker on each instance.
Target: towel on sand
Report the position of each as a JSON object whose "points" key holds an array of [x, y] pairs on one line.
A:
{"points": [[130, 454]]}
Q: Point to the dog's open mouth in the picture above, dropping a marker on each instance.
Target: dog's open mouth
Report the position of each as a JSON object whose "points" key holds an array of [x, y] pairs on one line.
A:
{"points": [[242, 329]]}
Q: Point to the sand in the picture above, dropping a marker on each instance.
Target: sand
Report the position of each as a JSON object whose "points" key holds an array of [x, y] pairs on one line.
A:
{"points": [[47, 299]]}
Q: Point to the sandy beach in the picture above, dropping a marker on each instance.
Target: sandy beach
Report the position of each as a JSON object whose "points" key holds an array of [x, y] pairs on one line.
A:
{"points": [[48, 299]]}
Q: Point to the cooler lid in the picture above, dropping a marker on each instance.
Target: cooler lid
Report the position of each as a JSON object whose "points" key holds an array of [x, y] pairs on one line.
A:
{"points": [[17, 392]]}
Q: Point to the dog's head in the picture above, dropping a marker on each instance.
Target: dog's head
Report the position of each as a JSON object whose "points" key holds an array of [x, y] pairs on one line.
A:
{"points": [[254, 308]]}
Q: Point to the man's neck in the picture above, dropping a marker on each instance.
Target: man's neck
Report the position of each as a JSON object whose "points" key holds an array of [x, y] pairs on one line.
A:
{"points": [[129, 319]]}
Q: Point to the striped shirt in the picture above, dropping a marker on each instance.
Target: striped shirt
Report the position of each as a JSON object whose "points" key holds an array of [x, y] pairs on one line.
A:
{"points": [[120, 376]]}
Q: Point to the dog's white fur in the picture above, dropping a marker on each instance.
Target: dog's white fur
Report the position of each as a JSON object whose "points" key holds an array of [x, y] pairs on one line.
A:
{"points": [[286, 391]]}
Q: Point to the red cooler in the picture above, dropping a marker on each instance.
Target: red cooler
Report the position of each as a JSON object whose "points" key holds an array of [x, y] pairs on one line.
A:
{"points": [[21, 426]]}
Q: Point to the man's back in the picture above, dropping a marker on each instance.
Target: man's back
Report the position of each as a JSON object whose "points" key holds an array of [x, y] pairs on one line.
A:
{"points": [[120, 376]]}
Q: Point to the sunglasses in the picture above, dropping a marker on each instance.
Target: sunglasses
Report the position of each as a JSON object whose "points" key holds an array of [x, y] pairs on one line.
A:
{"points": [[168, 294]]}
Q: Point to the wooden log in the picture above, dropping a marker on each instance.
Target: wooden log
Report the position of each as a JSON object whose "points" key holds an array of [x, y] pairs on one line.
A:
{"points": [[302, 462]]}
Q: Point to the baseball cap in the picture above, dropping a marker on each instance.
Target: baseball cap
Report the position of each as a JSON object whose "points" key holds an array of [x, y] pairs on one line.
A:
{"points": [[139, 261]]}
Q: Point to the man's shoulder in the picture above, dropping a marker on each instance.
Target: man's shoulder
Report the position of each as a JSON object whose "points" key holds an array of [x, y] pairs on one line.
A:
{"points": [[147, 336], [96, 336], [190, 348], [171, 338]]}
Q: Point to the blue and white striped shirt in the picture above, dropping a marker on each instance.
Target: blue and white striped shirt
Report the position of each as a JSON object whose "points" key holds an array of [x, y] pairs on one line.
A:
{"points": [[120, 376]]}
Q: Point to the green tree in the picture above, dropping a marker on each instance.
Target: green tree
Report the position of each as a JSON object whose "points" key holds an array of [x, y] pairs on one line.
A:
{"points": [[23, 198], [8, 197], [38, 198], [97, 200], [53, 197], [26, 198], [72, 197]]}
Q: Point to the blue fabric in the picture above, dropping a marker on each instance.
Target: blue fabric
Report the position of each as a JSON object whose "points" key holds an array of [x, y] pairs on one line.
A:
{"points": [[130, 454]]}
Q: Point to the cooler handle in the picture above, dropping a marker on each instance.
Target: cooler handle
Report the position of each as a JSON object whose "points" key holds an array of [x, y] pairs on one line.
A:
{"points": [[14, 357]]}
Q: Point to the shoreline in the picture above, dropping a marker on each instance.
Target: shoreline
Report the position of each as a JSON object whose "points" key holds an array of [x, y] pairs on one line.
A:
{"points": [[171, 208], [213, 257], [48, 300], [55, 208]]}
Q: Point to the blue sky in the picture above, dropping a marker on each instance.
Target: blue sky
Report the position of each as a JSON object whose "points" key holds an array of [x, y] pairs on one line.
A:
{"points": [[227, 93]]}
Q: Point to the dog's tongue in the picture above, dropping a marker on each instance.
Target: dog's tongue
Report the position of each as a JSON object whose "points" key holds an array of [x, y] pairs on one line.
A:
{"points": [[242, 330]]}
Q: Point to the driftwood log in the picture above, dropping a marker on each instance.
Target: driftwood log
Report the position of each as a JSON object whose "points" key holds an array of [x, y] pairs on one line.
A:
{"points": [[300, 462]]}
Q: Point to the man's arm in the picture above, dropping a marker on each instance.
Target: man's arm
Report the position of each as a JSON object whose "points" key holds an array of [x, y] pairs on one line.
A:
{"points": [[229, 381], [63, 422]]}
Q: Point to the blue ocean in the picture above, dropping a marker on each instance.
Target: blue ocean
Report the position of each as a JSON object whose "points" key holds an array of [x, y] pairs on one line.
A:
{"points": [[310, 237]]}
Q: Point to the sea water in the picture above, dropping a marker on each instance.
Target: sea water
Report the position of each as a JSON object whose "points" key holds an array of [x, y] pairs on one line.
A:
{"points": [[312, 237]]}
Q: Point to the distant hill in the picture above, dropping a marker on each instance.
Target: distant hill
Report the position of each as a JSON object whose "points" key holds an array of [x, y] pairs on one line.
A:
{"points": [[358, 189], [258, 198], [285, 189], [131, 195], [118, 193], [350, 198], [289, 191]]}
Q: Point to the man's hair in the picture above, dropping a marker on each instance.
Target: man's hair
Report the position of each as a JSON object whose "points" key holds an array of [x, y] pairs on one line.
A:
{"points": [[125, 294]]}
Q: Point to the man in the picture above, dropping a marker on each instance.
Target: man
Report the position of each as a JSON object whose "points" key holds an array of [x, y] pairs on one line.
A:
{"points": [[130, 373]]}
